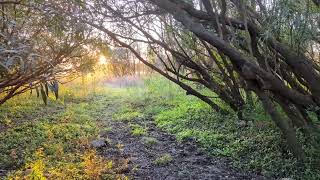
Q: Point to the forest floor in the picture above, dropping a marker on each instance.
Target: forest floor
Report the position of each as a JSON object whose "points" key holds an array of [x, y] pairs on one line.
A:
{"points": [[137, 129], [151, 153], [155, 154]]}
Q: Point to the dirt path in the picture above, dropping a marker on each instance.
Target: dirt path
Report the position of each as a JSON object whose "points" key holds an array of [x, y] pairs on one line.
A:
{"points": [[164, 159]]}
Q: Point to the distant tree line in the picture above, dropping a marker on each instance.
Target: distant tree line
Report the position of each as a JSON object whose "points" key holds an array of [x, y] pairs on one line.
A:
{"points": [[121, 62]]}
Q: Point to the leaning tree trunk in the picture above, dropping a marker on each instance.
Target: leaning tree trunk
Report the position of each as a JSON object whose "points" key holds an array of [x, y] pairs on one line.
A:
{"points": [[283, 124]]}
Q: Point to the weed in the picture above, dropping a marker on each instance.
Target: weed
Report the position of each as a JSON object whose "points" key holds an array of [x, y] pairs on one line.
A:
{"points": [[256, 147], [120, 146], [63, 129], [164, 159], [137, 130], [126, 116], [94, 165], [107, 129], [149, 141], [184, 135], [53, 142]]}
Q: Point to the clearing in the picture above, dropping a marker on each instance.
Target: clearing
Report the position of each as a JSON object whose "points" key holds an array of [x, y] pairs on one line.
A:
{"points": [[134, 129], [154, 154]]}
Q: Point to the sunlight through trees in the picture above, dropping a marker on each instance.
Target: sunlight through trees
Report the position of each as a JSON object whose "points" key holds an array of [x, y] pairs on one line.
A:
{"points": [[234, 56]]}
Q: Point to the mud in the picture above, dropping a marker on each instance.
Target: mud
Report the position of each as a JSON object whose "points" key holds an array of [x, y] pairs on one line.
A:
{"points": [[188, 161]]}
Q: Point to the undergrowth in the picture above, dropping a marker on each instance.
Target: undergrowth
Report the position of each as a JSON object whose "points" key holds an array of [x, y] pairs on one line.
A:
{"points": [[255, 146], [138, 130], [163, 160], [53, 141]]}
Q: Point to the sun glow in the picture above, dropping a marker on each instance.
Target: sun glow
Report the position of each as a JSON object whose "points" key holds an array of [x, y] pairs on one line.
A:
{"points": [[102, 59]]}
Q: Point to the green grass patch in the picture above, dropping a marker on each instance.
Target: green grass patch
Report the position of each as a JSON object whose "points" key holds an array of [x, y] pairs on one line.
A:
{"points": [[138, 130], [53, 139], [163, 160], [107, 129], [53, 142], [126, 115], [149, 141], [256, 147]]}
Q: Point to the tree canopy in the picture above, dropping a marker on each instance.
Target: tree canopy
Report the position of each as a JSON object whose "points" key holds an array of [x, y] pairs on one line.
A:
{"points": [[239, 50]]}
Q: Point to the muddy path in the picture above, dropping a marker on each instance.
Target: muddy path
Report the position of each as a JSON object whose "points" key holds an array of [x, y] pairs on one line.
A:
{"points": [[158, 155]]}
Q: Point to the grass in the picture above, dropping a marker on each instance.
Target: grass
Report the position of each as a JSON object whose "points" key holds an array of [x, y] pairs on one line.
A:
{"points": [[256, 147], [107, 129], [138, 130], [149, 141], [163, 160], [53, 141], [126, 115]]}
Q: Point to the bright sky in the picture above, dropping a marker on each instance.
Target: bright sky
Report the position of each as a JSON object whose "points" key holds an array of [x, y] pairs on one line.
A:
{"points": [[102, 59]]}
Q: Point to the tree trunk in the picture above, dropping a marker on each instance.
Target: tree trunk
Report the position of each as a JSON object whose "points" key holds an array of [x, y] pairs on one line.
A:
{"points": [[283, 124]]}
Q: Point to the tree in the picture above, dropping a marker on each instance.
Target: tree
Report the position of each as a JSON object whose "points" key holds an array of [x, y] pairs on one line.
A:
{"points": [[38, 48], [231, 47]]}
